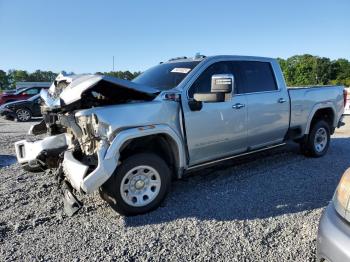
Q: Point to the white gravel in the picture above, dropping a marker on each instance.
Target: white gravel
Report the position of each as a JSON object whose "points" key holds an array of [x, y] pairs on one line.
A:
{"points": [[265, 207]]}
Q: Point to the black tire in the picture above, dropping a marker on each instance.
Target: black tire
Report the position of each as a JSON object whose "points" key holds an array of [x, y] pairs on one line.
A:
{"points": [[311, 146], [35, 169], [21, 112], [111, 189]]}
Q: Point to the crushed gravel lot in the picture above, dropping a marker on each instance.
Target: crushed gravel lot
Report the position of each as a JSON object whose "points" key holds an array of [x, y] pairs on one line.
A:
{"points": [[264, 207]]}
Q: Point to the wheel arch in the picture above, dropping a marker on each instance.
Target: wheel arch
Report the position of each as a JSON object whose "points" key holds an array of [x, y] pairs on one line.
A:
{"points": [[325, 112], [160, 139]]}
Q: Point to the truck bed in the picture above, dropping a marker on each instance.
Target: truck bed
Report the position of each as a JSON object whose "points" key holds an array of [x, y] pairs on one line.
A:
{"points": [[306, 100]]}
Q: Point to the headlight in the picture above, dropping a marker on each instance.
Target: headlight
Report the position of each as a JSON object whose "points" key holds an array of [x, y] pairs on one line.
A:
{"points": [[342, 196]]}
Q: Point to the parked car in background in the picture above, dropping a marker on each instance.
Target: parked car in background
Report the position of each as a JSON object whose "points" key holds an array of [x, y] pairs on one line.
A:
{"points": [[22, 110], [333, 240], [22, 94], [347, 104]]}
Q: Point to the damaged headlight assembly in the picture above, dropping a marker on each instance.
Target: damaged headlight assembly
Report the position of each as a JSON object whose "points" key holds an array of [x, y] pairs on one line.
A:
{"points": [[91, 125]]}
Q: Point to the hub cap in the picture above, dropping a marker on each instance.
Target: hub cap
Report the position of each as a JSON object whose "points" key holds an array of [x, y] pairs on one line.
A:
{"points": [[321, 140], [140, 186], [23, 115]]}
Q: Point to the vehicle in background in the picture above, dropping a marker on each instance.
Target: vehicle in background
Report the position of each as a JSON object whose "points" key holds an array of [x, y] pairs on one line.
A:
{"points": [[347, 104], [22, 94], [22, 110], [129, 140], [24, 85], [333, 240]]}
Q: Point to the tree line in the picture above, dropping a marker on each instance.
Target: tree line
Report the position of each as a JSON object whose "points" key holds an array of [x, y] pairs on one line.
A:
{"points": [[298, 70], [9, 79]]}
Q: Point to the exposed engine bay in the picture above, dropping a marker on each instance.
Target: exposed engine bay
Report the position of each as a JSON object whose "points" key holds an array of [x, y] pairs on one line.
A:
{"points": [[69, 93]]}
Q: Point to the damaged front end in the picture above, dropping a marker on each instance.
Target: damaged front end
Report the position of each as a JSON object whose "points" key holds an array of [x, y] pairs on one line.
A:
{"points": [[75, 145]]}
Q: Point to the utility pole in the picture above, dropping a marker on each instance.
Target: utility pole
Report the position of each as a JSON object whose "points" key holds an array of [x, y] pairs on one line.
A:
{"points": [[113, 63]]}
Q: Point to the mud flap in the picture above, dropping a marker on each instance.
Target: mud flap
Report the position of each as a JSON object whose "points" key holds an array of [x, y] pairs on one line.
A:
{"points": [[70, 201]]}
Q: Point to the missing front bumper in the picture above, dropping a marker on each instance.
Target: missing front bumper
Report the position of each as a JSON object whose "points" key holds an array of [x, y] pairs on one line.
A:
{"points": [[77, 173]]}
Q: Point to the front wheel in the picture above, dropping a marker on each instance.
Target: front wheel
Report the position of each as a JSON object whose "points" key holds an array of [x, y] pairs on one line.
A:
{"points": [[138, 185], [318, 140]]}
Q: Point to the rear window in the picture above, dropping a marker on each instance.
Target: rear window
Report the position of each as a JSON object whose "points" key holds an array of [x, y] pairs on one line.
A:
{"points": [[257, 77]]}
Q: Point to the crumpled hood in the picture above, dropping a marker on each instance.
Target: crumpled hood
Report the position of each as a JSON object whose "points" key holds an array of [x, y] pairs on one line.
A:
{"points": [[71, 89]]}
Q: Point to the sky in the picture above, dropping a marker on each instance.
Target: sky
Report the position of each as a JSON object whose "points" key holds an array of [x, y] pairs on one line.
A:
{"points": [[82, 36]]}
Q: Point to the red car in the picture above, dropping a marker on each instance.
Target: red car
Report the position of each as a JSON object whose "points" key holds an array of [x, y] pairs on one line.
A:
{"points": [[22, 94]]}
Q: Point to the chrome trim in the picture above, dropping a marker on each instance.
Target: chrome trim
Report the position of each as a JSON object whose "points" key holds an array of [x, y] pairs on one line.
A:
{"points": [[262, 92], [231, 157]]}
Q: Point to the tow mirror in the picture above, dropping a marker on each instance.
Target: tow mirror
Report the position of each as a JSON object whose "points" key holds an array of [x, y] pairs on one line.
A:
{"points": [[222, 83]]}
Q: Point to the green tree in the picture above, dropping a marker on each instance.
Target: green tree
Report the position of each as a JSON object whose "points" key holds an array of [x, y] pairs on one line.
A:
{"points": [[42, 76], [307, 70], [340, 72], [323, 70], [17, 76], [4, 81]]}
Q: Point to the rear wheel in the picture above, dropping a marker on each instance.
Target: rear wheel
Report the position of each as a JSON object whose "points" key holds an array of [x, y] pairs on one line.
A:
{"points": [[138, 185], [23, 115], [317, 142]]}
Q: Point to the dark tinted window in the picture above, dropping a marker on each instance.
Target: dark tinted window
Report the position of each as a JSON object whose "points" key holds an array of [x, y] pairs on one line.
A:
{"points": [[31, 91], [257, 77], [203, 82], [166, 76]]}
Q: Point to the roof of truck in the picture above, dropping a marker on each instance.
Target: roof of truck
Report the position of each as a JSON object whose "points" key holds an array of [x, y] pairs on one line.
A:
{"points": [[203, 57]]}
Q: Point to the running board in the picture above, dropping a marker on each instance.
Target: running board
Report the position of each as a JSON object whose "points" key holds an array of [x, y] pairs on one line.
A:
{"points": [[232, 157]]}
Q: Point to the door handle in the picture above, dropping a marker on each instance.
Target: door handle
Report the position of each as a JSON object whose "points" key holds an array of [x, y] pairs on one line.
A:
{"points": [[238, 106], [282, 100]]}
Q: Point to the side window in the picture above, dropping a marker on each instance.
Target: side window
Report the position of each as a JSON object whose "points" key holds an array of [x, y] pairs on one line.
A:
{"points": [[203, 82], [257, 77], [32, 91]]}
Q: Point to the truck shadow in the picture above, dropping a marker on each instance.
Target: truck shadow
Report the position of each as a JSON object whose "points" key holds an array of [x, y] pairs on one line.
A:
{"points": [[263, 185]]}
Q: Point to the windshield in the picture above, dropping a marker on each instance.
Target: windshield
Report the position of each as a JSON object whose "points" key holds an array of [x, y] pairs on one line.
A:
{"points": [[166, 76]]}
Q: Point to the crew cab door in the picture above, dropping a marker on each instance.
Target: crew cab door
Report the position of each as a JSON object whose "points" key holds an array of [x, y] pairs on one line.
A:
{"points": [[218, 129], [268, 104]]}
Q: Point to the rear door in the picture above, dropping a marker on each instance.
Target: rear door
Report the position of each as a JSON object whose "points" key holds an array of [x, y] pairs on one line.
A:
{"points": [[268, 104]]}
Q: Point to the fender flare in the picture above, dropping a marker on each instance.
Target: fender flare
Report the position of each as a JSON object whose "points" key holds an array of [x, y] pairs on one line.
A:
{"points": [[125, 135], [317, 107]]}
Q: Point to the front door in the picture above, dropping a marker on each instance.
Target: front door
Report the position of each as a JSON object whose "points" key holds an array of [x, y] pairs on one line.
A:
{"points": [[219, 129]]}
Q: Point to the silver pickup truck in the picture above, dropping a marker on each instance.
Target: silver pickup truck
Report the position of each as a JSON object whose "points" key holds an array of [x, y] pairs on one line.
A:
{"points": [[130, 139]]}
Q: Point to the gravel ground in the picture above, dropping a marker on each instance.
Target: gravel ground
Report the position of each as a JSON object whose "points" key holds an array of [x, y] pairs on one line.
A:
{"points": [[265, 207]]}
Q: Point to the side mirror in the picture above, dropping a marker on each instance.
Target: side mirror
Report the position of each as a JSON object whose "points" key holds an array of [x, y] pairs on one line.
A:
{"points": [[222, 83]]}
